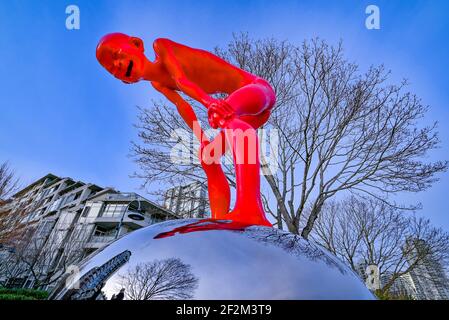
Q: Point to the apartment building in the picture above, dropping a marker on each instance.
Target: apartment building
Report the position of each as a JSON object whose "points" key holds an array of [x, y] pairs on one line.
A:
{"points": [[188, 201], [111, 214], [426, 281], [429, 275], [69, 220], [402, 286]]}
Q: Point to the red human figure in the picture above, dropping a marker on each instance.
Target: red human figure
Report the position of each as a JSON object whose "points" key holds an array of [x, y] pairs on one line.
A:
{"points": [[198, 74]]}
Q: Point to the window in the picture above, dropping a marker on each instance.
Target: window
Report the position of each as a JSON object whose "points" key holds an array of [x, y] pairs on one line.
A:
{"points": [[102, 231], [45, 228], [15, 282], [50, 190], [29, 284], [68, 199], [56, 205], [56, 260], [45, 192], [114, 210], [103, 234], [85, 212]]}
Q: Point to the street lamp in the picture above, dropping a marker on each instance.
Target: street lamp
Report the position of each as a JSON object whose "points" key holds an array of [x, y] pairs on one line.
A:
{"points": [[124, 213]]}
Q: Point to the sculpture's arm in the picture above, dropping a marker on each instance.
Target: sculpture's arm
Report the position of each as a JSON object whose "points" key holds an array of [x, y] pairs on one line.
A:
{"points": [[184, 108], [165, 50]]}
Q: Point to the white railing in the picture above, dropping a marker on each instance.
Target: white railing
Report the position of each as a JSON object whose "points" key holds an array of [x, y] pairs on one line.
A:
{"points": [[102, 239], [125, 196]]}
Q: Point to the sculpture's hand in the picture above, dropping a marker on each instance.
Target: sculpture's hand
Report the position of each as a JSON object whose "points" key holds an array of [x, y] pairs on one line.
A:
{"points": [[219, 113]]}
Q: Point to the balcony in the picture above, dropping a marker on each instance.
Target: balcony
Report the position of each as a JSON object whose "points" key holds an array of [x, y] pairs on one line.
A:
{"points": [[131, 219], [97, 242], [125, 197]]}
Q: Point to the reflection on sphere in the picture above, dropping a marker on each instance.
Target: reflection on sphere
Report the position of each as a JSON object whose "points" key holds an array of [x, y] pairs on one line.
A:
{"points": [[212, 259]]}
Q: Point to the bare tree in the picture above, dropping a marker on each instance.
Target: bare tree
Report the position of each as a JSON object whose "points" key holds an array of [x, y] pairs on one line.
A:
{"points": [[13, 221], [160, 279], [12, 268], [340, 131], [366, 232], [43, 256], [11, 217], [8, 181]]}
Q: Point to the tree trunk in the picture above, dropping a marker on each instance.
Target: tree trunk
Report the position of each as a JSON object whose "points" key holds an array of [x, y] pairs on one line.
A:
{"points": [[313, 216], [279, 219]]}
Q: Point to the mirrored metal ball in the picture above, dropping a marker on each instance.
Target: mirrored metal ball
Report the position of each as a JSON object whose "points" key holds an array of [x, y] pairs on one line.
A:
{"points": [[207, 259]]}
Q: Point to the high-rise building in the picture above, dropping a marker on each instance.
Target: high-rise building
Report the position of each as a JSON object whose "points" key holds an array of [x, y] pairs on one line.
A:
{"points": [[428, 275], [361, 270], [403, 285], [188, 201], [69, 220], [426, 281]]}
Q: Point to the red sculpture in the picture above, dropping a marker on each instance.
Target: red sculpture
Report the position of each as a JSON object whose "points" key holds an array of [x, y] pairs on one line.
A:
{"points": [[198, 73]]}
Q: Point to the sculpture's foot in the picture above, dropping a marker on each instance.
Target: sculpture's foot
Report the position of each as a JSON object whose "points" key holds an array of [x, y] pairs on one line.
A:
{"points": [[250, 216]]}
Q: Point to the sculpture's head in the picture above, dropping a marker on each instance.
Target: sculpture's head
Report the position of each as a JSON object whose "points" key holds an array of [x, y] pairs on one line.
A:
{"points": [[122, 56]]}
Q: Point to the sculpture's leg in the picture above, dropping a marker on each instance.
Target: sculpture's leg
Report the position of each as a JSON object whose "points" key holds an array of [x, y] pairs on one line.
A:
{"points": [[242, 138], [218, 186], [217, 183]]}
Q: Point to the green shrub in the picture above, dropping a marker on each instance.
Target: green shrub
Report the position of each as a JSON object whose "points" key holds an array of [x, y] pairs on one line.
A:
{"points": [[10, 296], [385, 295], [30, 294]]}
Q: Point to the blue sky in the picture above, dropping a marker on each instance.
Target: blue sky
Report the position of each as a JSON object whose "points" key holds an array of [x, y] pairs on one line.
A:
{"points": [[62, 113]]}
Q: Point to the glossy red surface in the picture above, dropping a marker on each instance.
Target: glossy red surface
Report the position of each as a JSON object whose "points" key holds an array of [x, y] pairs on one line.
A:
{"points": [[198, 74], [204, 225]]}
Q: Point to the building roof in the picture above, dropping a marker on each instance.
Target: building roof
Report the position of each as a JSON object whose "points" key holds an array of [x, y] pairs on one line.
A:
{"points": [[114, 194], [102, 193], [32, 185]]}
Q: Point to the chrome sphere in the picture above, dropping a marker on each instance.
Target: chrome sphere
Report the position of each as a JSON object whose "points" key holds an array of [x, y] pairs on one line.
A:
{"points": [[210, 259]]}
